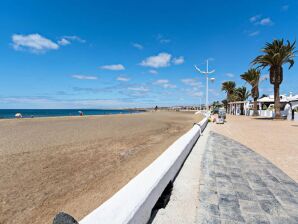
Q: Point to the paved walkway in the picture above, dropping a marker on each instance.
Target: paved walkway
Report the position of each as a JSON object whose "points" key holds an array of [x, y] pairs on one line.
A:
{"points": [[182, 207], [238, 185]]}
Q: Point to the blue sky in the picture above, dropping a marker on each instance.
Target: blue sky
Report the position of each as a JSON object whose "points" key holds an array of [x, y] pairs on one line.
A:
{"points": [[113, 54]]}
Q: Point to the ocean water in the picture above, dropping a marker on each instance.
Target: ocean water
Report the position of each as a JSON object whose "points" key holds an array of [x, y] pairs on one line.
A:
{"points": [[30, 113]]}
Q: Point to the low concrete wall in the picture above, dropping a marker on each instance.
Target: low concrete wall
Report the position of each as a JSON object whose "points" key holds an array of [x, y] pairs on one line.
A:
{"points": [[268, 113], [134, 202]]}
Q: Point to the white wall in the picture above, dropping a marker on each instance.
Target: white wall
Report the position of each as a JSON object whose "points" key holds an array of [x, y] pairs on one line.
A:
{"points": [[134, 202]]}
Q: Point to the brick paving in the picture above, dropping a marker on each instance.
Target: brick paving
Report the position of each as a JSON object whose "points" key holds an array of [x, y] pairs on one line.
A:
{"points": [[238, 185]]}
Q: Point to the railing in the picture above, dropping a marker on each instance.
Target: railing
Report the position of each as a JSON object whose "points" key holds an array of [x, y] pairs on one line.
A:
{"points": [[135, 201]]}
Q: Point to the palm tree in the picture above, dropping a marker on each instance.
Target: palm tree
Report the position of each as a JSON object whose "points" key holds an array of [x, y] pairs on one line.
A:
{"points": [[225, 103], [240, 94], [228, 87], [276, 54], [252, 76]]}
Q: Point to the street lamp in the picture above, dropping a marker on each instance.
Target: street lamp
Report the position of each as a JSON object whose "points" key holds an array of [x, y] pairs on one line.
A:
{"points": [[207, 72]]}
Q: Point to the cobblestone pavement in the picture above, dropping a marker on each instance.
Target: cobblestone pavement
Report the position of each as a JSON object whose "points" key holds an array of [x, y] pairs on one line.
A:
{"points": [[238, 185]]}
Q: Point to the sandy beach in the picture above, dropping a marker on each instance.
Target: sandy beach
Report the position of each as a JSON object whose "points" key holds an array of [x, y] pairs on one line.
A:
{"points": [[74, 164], [273, 139]]}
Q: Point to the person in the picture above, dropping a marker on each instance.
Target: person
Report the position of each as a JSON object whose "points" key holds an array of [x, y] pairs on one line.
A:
{"points": [[156, 108]]}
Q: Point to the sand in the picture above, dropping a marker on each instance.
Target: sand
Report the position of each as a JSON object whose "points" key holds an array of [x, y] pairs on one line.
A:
{"points": [[273, 139], [74, 164]]}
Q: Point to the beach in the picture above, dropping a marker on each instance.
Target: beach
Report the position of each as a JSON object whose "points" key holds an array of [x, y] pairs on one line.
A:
{"points": [[73, 164]]}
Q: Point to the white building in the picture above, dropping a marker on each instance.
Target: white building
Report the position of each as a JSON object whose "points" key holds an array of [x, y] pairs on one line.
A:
{"points": [[266, 107]]}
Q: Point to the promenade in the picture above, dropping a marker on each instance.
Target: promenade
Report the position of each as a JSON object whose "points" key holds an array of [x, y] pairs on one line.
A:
{"points": [[238, 185], [274, 140], [248, 174]]}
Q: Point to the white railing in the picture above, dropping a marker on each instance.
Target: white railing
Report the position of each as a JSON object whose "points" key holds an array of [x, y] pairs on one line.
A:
{"points": [[134, 202]]}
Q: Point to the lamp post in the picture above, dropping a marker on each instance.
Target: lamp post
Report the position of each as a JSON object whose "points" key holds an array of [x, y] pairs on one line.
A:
{"points": [[206, 73]]}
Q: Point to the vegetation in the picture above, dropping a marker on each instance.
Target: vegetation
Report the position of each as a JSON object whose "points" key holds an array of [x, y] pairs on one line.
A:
{"points": [[234, 94], [215, 106], [274, 56], [252, 76], [225, 103], [241, 94], [229, 88]]}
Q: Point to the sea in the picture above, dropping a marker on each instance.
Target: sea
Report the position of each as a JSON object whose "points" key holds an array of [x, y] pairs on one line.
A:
{"points": [[31, 113]]}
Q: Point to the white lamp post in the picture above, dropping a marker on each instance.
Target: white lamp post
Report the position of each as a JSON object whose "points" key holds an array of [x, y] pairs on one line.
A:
{"points": [[212, 80]]}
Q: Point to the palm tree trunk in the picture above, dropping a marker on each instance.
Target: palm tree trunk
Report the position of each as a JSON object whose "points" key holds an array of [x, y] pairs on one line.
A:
{"points": [[255, 113], [277, 101]]}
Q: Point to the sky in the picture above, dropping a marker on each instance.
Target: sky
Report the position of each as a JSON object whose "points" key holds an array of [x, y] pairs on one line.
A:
{"points": [[116, 54]]}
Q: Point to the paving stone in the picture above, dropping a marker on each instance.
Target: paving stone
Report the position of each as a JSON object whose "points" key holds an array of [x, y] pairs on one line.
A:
{"points": [[229, 221], [240, 186], [256, 219], [272, 207], [282, 220], [212, 209], [248, 207], [207, 219]]}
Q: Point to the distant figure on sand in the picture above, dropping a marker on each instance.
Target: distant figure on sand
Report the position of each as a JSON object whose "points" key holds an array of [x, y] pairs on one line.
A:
{"points": [[18, 115], [81, 113], [156, 108]]}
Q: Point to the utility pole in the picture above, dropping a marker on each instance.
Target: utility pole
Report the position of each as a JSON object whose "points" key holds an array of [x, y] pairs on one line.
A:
{"points": [[207, 72]]}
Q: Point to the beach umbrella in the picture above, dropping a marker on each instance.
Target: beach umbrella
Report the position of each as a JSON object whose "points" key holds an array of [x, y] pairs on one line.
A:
{"points": [[18, 115]]}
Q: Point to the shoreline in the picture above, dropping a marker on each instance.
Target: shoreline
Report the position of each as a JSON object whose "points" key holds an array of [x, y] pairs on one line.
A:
{"points": [[72, 116], [66, 164]]}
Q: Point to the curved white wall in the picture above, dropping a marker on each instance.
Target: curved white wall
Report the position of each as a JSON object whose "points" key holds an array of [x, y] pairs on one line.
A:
{"points": [[134, 202]]}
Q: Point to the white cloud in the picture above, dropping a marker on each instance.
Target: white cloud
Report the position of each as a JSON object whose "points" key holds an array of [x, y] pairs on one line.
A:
{"points": [[122, 79], [42, 102], [178, 60], [138, 46], [169, 86], [266, 22], [63, 42], [259, 20], [254, 33], [84, 77], [192, 82], [158, 61], [76, 38], [231, 75], [152, 71], [161, 81], [162, 40], [255, 18], [66, 40], [33, 42], [165, 83], [139, 89], [197, 94], [116, 67]]}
